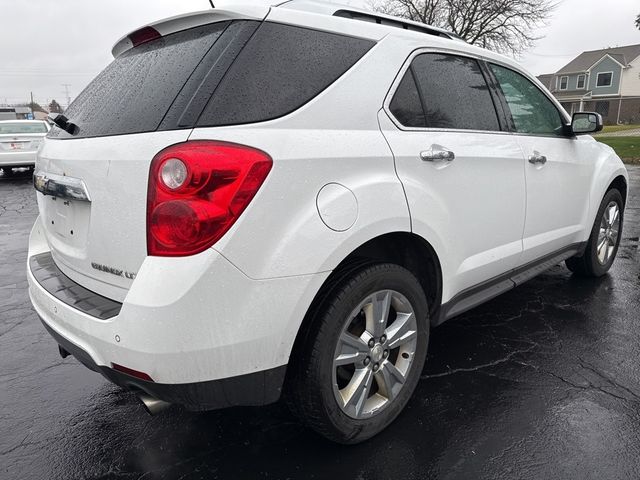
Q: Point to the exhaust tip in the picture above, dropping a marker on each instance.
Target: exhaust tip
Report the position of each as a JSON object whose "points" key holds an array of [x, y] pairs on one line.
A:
{"points": [[152, 405]]}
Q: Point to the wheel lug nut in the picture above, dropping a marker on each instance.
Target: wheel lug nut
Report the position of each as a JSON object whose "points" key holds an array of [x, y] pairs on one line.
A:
{"points": [[385, 354], [367, 361], [372, 342], [383, 338], [375, 367]]}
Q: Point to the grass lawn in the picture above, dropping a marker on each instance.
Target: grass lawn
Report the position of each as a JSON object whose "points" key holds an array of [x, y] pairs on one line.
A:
{"points": [[617, 128], [627, 148]]}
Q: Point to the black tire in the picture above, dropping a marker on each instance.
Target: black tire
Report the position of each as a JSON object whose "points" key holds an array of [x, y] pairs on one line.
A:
{"points": [[588, 264], [310, 387]]}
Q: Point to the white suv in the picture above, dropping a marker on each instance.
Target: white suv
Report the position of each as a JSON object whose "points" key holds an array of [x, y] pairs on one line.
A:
{"points": [[283, 200]]}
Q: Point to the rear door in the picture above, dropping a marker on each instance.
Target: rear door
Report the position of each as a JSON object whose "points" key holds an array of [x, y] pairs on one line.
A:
{"points": [[558, 169], [463, 175]]}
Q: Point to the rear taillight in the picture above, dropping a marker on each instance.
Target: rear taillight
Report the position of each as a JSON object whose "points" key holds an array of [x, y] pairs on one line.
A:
{"points": [[197, 190]]}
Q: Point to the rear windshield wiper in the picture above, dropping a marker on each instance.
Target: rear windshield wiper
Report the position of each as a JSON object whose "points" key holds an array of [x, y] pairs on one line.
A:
{"points": [[63, 122]]}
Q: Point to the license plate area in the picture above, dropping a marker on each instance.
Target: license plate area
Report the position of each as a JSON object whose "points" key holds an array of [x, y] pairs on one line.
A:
{"points": [[16, 146], [62, 218], [68, 223]]}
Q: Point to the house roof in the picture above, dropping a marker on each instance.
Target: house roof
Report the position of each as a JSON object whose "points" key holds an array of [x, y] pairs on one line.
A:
{"points": [[546, 79], [585, 60]]}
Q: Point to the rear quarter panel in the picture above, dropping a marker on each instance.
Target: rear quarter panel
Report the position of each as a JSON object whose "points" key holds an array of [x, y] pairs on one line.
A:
{"points": [[335, 138]]}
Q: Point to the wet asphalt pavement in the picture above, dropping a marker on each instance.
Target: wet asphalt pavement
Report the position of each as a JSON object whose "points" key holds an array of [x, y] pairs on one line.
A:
{"points": [[542, 382]]}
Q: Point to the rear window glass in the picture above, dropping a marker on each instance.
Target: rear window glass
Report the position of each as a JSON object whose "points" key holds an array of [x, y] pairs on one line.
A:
{"points": [[19, 127], [406, 105], [454, 92], [279, 70], [135, 91]]}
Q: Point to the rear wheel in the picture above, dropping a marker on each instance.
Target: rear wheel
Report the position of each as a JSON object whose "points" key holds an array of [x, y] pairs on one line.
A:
{"points": [[603, 243], [359, 368]]}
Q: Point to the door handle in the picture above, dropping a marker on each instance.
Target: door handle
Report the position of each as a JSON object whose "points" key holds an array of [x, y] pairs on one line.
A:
{"points": [[435, 155], [537, 159]]}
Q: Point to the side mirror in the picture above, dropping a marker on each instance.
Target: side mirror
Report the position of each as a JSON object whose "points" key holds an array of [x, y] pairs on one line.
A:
{"points": [[586, 122]]}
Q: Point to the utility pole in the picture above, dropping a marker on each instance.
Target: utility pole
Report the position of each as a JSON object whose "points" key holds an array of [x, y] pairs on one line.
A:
{"points": [[66, 92]]}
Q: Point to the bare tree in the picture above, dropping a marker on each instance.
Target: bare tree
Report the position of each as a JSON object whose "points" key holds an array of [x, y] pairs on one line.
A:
{"points": [[502, 25], [638, 21], [54, 107]]}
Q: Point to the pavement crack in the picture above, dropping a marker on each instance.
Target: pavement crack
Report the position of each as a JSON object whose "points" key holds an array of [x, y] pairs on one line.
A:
{"points": [[479, 367], [589, 367]]}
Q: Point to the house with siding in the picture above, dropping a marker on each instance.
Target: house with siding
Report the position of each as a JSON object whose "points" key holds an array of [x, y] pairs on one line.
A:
{"points": [[606, 81]]}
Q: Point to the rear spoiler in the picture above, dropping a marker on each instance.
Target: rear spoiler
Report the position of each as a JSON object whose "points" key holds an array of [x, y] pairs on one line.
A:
{"points": [[186, 21]]}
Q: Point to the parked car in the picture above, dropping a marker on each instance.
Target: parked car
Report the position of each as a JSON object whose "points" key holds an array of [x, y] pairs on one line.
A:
{"points": [[282, 201], [19, 142]]}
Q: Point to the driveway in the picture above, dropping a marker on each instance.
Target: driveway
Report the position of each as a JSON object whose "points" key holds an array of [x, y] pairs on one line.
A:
{"points": [[542, 382]]}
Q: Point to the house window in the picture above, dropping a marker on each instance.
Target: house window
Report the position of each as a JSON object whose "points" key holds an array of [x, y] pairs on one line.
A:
{"points": [[564, 81], [604, 79], [581, 79]]}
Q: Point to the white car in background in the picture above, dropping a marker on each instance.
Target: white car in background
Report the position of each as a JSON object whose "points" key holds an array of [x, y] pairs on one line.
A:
{"points": [[284, 200], [19, 143]]}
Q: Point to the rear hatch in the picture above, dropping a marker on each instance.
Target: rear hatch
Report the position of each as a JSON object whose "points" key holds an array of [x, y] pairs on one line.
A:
{"points": [[230, 72], [148, 98], [21, 136]]}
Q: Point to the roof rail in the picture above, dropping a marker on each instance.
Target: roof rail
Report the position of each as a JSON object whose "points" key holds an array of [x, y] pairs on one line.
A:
{"points": [[396, 22]]}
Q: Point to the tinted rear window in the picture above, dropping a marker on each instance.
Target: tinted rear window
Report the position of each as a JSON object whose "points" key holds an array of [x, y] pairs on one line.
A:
{"points": [[454, 92], [135, 91], [219, 74], [19, 127], [280, 69], [406, 105]]}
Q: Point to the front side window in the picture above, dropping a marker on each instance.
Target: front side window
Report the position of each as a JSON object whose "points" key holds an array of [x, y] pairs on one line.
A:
{"points": [[452, 91], [604, 79], [531, 110], [564, 81], [581, 79]]}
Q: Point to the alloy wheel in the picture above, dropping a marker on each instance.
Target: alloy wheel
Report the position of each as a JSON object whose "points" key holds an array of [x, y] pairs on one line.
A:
{"points": [[374, 354], [608, 234]]}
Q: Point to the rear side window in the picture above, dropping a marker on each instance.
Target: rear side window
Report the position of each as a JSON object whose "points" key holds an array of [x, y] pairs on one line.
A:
{"points": [[454, 93], [406, 105], [135, 91], [278, 71]]}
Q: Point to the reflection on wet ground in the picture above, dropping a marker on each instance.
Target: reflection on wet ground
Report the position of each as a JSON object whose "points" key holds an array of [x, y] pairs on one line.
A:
{"points": [[542, 382]]}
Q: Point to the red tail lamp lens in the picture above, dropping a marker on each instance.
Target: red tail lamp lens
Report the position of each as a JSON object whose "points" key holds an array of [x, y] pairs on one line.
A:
{"points": [[217, 184]]}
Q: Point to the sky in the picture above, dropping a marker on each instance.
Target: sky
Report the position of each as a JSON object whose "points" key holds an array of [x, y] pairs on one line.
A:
{"points": [[51, 47]]}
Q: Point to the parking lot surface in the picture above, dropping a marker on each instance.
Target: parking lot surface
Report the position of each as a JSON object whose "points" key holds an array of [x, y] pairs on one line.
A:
{"points": [[542, 382]]}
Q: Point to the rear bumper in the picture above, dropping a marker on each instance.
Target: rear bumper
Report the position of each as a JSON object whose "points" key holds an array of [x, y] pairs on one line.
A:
{"points": [[17, 159], [254, 389], [208, 335]]}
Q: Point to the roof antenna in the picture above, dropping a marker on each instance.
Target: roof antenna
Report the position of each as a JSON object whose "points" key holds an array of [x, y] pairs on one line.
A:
{"points": [[212, 5]]}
